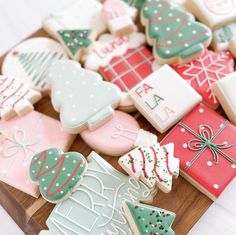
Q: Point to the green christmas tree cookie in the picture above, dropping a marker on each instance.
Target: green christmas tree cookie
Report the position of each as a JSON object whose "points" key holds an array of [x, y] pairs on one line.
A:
{"points": [[76, 42], [57, 173], [174, 34], [148, 220]]}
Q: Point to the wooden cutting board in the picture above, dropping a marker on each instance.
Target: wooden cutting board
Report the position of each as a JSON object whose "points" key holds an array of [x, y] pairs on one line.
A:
{"points": [[31, 214]]}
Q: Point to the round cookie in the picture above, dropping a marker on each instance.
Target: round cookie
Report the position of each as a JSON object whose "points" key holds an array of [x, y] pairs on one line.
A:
{"points": [[31, 60]]}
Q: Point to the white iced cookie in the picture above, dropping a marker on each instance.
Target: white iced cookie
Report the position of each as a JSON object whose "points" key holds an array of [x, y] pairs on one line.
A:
{"points": [[225, 90], [164, 98], [79, 15], [83, 99], [31, 60]]}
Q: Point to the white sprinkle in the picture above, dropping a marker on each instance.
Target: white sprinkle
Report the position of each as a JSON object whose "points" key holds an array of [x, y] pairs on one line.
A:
{"points": [[182, 130], [201, 110], [209, 163], [216, 186], [185, 145]]}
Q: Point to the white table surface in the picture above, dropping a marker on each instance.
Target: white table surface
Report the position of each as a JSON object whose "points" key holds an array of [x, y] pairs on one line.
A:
{"points": [[19, 19]]}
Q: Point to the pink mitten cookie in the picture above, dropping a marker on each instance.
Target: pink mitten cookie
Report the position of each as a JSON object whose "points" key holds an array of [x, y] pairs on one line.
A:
{"points": [[205, 70], [118, 135], [16, 98], [23, 138]]}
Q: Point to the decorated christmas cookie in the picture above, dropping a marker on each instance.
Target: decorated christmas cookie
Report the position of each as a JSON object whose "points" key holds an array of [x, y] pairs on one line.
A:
{"points": [[174, 34], [158, 101], [214, 13], [118, 135], [224, 39], [76, 42], [78, 15], [108, 46], [98, 200], [205, 144], [81, 97], [116, 14], [24, 137], [16, 98], [145, 219], [205, 70], [31, 60], [126, 71], [57, 173], [225, 91], [154, 165]]}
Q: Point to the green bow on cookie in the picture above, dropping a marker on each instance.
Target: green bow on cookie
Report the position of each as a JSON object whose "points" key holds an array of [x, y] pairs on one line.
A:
{"points": [[57, 173]]}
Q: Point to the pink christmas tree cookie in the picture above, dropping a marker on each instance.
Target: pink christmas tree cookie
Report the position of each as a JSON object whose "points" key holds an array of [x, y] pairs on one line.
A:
{"points": [[116, 14], [22, 138], [118, 135], [16, 98], [154, 165], [83, 99], [205, 70]]}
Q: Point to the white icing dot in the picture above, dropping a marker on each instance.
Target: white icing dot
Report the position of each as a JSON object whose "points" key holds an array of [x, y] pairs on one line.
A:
{"points": [[216, 186], [46, 167], [74, 161], [55, 158], [156, 11], [68, 174], [50, 152], [201, 110], [189, 23], [169, 42], [182, 130], [209, 163], [61, 192], [81, 165], [170, 14], [53, 172], [45, 188], [186, 44], [73, 179], [159, 18], [233, 166], [63, 168], [145, 8], [160, 5], [39, 162], [168, 28], [67, 156], [156, 28], [33, 171], [57, 184], [185, 145], [43, 179], [180, 34], [167, 52], [178, 19], [225, 143], [194, 32]]}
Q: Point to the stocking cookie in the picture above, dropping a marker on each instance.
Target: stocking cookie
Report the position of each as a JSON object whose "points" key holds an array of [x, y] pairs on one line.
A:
{"points": [[205, 70], [31, 60], [154, 165], [157, 100], [174, 34], [57, 173], [76, 42], [98, 200], [225, 92], [81, 97], [145, 219], [214, 13], [116, 14], [22, 138], [78, 15], [118, 135], [16, 98]]}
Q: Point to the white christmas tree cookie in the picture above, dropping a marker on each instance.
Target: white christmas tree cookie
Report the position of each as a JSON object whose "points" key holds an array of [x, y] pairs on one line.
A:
{"points": [[16, 98], [81, 97], [154, 165]]}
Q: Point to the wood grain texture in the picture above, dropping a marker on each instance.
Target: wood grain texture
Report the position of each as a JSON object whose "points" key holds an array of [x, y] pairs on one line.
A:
{"points": [[31, 214]]}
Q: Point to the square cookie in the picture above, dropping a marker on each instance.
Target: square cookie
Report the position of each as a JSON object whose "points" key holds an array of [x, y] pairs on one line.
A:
{"points": [[156, 98], [225, 90], [205, 144]]}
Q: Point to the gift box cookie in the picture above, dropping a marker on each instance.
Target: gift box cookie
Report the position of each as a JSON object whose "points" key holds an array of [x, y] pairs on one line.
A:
{"points": [[205, 144]]}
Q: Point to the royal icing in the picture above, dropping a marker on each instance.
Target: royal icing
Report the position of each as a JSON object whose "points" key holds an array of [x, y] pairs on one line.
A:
{"points": [[126, 71], [77, 15], [118, 135], [116, 14], [82, 98], [76, 42], [205, 144], [145, 219], [205, 70], [158, 101], [213, 13], [57, 173], [98, 200], [174, 34], [16, 98], [108, 46], [24, 137], [30, 61], [224, 89], [154, 165]]}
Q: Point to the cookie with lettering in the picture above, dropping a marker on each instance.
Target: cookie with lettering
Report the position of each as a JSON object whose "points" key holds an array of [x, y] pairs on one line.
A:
{"points": [[176, 37], [58, 174], [118, 136], [16, 98], [78, 15], [214, 13], [30, 61], [162, 104], [224, 89], [83, 99]]}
